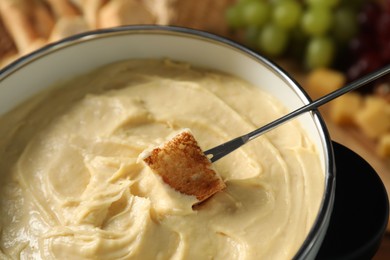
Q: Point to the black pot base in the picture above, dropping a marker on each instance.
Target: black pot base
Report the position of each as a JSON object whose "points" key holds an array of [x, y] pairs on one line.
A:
{"points": [[361, 210]]}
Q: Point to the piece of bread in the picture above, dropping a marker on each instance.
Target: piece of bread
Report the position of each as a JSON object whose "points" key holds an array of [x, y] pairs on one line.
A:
{"points": [[68, 26], [6, 43], [124, 12], [63, 8], [17, 21], [90, 10], [182, 164]]}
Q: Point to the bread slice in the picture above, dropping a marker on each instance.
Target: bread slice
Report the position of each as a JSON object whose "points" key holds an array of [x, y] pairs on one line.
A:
{"points": [[182, 164]]}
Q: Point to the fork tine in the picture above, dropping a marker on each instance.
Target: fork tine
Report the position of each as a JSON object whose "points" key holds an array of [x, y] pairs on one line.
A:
{"points": [[225, 148]]}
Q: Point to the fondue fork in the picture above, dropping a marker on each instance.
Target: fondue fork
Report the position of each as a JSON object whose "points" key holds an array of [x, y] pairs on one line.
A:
{"points": [[220, 151]]}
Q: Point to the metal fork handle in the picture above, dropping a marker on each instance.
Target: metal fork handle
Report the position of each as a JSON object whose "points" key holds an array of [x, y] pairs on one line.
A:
{"points": [[221, 150]]}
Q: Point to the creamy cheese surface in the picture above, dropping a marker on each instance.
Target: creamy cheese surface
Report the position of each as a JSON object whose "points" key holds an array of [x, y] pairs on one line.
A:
{"points": [[72, 187]]}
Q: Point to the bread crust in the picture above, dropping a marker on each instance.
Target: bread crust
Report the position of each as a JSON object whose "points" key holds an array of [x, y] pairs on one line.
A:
{"points": [[182, 164]]}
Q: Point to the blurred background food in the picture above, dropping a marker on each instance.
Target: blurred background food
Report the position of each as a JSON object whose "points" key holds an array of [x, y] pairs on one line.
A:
{"points": [[323, 44], [331, 42], [349, 35]]}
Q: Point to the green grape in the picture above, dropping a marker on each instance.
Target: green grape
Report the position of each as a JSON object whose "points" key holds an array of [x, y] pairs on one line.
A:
{"points": [[233, 17], [327, 3], [286, 14], [255, 13], [275, 1], [272, 40], [320, 52], [345, 24], [316, 21]]}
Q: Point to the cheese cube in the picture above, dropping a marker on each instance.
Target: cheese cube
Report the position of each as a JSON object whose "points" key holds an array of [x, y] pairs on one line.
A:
{"points": [[322, 81], [383, 148], [344, 108], [374, 117]]}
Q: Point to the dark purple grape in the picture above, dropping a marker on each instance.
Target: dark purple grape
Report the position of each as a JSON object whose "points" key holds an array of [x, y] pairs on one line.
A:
{"points": [[368, 16], [383, 25], [370, 49], [362, 43], [366, 63], [385, 51]]}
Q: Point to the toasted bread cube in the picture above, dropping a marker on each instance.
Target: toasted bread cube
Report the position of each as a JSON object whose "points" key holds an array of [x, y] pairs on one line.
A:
{"points": [[374, 117], [68, 26], [383, 148], [344, 108], [182, 164], [322, 81], [124, 12]]}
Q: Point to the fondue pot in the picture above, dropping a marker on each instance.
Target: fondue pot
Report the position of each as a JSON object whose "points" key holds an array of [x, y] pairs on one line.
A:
{"points": [[354, 211]]}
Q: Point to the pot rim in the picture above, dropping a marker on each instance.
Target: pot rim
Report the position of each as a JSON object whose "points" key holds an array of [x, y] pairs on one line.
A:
{"points": [[315, 235]]}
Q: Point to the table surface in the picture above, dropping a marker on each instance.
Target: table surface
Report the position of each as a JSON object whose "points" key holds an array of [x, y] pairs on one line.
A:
{"points": [[195, 14]]}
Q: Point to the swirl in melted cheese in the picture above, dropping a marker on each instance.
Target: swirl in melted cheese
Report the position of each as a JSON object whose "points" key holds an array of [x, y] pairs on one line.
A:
{"points": [[72, 187]]}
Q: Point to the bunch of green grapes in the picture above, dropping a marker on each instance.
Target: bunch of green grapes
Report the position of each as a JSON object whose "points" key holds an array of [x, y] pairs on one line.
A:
{"points": [[310, 31]]}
